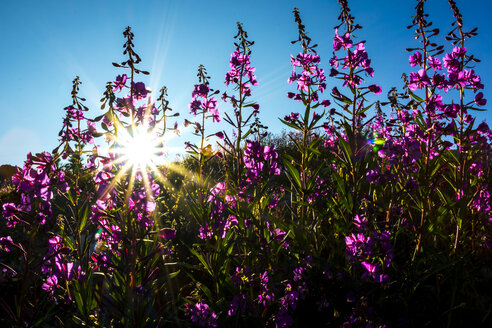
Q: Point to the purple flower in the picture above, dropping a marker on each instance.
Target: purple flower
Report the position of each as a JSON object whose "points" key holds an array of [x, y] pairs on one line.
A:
{"points": [[373, 271], [167, 233], [9, 212], [50, 284], [311, 76], [201, 314], [440, 81], [201, 90], [303, 83], [481, 202], [435, 63], [205, 232], [415, 59], [195, 106], [292, 117], [139, 90], [374, 89], [239, 64], [358, 245], [326, 103], [459, 52], [211, 106], [479, 100], [451, 62], [120, 82], [259, 161], [6, 242], [342, 41], [418, 80], [372, 176]]}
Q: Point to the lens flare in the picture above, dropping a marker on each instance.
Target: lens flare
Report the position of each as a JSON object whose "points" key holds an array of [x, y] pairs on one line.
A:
{"points": [[377, 143]]}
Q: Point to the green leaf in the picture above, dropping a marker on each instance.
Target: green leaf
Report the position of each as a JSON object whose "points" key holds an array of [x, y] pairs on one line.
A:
{"points": [[174, 274], [311, 183], [414, 96], [292, 125], [202, 261], [293, 173], [83, 216]]}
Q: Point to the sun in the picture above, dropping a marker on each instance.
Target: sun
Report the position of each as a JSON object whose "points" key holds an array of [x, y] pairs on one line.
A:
{"points": [[140, 148], [139, 154]]}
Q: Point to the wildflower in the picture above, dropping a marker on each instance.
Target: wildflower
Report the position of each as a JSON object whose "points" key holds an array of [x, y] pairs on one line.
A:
{"points": [[479, 100], [342, 41], [418, 80], [6, 242], [120, 82], [375, 89], [415, 59], [434, 62], [201, 314], [167, 233], [139, 90]]}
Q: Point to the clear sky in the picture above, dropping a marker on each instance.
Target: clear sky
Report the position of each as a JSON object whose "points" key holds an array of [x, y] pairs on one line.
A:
{"points": [[45, 44]]}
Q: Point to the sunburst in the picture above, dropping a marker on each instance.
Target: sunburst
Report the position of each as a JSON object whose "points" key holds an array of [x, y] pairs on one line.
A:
{"points": [[140, 152], [140, 148]]}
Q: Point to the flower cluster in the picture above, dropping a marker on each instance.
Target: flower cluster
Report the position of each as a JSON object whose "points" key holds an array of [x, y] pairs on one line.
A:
{"points": [[202, 315], [36, 184], [456, 75], [71, 133], [310, 81], [142, 200], [220, 222], [241, 74], [203, 103], [355, 61], [259, 161], [56, 266], [370, 249]]}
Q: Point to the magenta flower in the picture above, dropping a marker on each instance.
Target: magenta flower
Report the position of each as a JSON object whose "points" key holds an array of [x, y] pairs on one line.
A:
{"points": [[194, 106], [6, 242], [167, 233], [418, 80], [120, 82], [239, 64], [202, 315], [375, 89], [260, 161], [201, 90], [292, 117], [139, 90], [211, 106], [50, 284], [342, 41], [303, 83], [372, 176], [434, 62], [9, 212], [415, 59], [451, 62], [479, 100], [459, 52]]}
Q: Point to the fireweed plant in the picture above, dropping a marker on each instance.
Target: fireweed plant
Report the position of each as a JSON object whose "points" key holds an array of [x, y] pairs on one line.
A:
{"points": [[375, 211]]}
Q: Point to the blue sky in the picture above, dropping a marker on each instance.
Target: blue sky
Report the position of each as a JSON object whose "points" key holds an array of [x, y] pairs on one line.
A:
{"points": [[45, 44]]}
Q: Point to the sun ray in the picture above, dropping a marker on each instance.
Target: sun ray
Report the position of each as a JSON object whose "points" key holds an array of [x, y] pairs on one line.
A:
{"points": [[139, 150]]}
